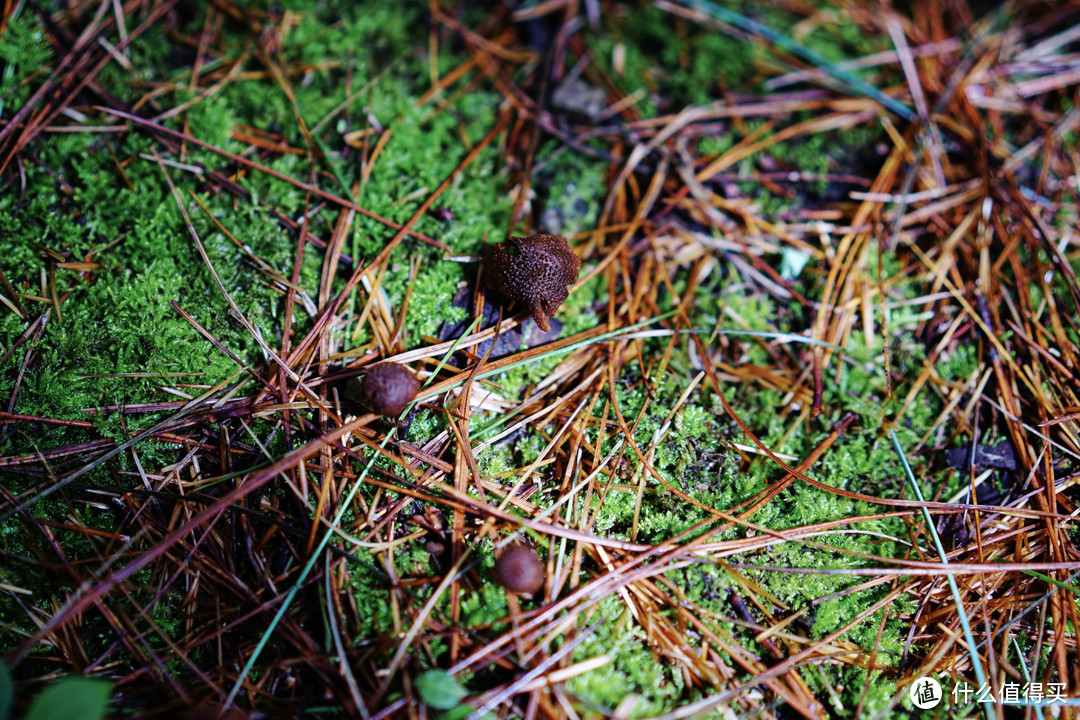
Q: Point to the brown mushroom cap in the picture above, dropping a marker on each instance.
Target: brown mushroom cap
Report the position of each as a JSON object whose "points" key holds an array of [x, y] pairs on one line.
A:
{"points": [[519, 570], [536, 270], [386, 388]]}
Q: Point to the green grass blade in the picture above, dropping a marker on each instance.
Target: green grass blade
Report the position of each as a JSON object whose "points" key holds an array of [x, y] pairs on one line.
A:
{"points": [[976, 663]]}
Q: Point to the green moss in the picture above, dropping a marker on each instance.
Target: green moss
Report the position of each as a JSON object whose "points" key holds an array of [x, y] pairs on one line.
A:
{"points": [[372, 599], [429, 305], [667, 58], [25, 51], [484, 607], [634, 668], [572, 187]]}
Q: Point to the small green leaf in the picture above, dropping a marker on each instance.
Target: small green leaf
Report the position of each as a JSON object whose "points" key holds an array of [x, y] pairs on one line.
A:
{"points": [[792, 263], [439, 689], [73, 698], [7, 691]]}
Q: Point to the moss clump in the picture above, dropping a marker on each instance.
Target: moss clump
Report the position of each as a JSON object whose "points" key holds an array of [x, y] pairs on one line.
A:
{"points": [[24, 52], [634, 668]]}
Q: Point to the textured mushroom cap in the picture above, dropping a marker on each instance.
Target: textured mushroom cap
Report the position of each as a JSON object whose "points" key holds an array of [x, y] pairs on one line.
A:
{"points": [[536, 270], [386, 388], [519, 570]]}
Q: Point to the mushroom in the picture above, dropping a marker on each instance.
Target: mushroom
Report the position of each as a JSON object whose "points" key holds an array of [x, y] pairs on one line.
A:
{"points": [[519, 570], [536, 270], [386, 389]]}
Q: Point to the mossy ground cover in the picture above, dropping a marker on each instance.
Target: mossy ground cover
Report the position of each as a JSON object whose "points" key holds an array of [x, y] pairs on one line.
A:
{"points": [[186, 518]]}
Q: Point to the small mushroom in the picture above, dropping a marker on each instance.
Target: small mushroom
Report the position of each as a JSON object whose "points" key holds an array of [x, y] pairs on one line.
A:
{"points": [[536, 270], [519, 570], [431, 520], [387, 389]]}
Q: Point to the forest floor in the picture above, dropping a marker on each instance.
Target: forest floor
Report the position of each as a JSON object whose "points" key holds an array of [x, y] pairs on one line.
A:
{"points": [[805, 431]]}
